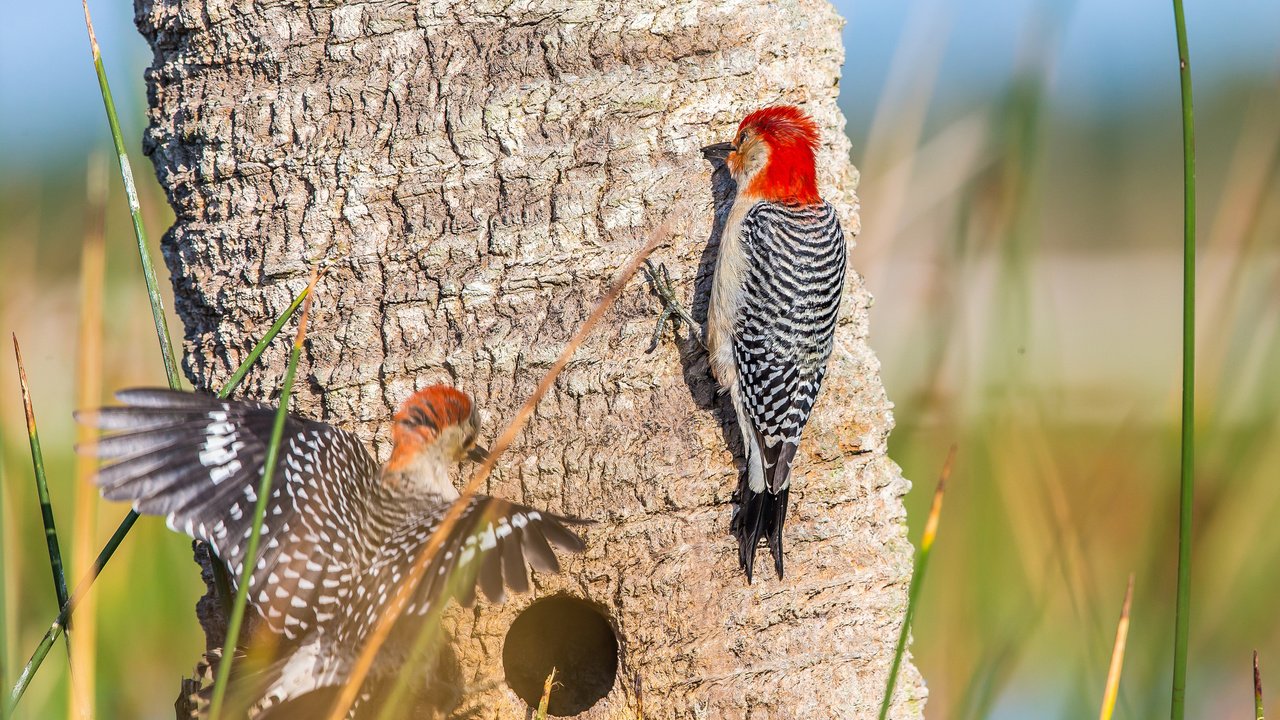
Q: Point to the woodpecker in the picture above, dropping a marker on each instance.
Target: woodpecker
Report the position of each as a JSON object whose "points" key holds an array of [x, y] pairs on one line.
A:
{"points": [[771, 317], [340, 532]]}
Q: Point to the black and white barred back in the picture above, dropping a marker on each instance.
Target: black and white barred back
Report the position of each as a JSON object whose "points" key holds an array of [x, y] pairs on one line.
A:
{"points": [[336, 543], [783, 339]]}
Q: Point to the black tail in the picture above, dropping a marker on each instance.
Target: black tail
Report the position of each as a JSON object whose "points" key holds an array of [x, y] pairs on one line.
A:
{"points": [[759, 515]]}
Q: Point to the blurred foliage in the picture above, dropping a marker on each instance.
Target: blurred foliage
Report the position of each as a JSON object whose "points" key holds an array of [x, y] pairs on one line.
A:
{"points": [[145, 599], [1033, 318]]}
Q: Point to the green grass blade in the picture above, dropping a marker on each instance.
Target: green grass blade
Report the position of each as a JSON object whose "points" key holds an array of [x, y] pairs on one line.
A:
{"points": [[221, 581], [158, 316], [259, 512], [135, 211], [42, 485], [51, 635], [1182, 615], [255, 536], [917, 580]]}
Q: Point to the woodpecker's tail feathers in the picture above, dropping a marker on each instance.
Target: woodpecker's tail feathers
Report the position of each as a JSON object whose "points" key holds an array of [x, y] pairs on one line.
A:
{"points": [[762, 499], [780, 459], [759, 515]]}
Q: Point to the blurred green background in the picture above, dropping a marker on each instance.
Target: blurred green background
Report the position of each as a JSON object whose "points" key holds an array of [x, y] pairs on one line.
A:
{"points": [[1021, 191]]}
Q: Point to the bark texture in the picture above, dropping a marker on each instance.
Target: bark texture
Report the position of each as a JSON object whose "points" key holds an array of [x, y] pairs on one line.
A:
{"points": [[477, 171]]}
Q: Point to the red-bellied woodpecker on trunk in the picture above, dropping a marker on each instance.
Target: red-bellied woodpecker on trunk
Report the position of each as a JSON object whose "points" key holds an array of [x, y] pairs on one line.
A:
{"points": [[774, 301]]}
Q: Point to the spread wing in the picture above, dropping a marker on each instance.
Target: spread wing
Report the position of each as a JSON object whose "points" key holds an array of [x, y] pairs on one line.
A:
{"points": [[488, 548], [198, 461]]}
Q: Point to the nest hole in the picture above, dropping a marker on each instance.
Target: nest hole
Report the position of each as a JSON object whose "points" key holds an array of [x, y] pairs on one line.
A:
{"points": [[567, 634]]}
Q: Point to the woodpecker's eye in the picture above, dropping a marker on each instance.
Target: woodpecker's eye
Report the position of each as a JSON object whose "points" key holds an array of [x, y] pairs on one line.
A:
{"points": [[742, 137]]}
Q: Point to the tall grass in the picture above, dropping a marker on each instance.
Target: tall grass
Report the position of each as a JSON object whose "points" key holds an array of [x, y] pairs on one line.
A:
{"points": [[158, 316], [67, 602], [93, 268], [108, 550], [42, 487], [917, 581], [1110, 440], [1002, 620], [1186, 495], [1257, 688], [1112, 689], [64, 616]]}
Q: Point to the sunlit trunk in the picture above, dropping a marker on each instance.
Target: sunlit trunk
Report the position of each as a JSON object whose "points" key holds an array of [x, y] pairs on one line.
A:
{"points": [[475, 172]]}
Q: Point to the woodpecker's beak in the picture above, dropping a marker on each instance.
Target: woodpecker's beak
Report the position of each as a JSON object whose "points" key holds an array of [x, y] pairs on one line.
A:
{"points": [[477, 453], [719, 151]]}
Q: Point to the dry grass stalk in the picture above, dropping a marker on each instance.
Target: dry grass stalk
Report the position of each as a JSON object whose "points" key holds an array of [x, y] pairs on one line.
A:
{"points": [[1112, 690]]}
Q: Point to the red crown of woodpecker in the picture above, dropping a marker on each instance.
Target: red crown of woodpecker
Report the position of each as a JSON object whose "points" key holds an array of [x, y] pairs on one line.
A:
{"points": [[422, 418], [792, 136]]}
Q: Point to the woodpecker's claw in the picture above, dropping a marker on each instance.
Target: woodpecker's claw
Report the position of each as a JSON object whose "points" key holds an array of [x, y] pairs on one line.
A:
{"points": [[660, 281]]}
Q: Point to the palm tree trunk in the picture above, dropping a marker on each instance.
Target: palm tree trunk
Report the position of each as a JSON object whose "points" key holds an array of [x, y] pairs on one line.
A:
{"points": [[476, 171]]}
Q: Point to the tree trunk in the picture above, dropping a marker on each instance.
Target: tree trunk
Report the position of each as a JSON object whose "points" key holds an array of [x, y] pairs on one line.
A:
{"points": [[477, 171]]}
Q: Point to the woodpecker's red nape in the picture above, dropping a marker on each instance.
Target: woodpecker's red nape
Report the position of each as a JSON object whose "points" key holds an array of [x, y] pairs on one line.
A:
{"points": [[790, 175], [423, 416], [435, 408]]}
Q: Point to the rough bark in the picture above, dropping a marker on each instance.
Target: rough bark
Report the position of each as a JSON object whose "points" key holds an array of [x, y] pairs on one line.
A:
{"points": [[477, 171]]}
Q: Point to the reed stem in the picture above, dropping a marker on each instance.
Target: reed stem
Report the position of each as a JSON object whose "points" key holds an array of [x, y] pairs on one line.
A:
{"points": [[1186, 497]]}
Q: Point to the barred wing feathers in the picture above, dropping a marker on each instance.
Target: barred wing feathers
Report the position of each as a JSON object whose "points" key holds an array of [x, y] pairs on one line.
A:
{"points": [[335, 542], [198, 461], [488, 550]]}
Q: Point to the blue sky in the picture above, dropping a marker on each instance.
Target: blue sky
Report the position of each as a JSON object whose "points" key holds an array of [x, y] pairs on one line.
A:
{"points": [[1106, 54]]}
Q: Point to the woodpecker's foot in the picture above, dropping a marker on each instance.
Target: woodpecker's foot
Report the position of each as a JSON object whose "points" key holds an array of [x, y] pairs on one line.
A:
{"points": [[660, 281]]}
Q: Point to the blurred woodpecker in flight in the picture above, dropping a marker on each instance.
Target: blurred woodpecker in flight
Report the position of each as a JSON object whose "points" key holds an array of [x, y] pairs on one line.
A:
{"points": [[340, 532], [773, 306]]}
